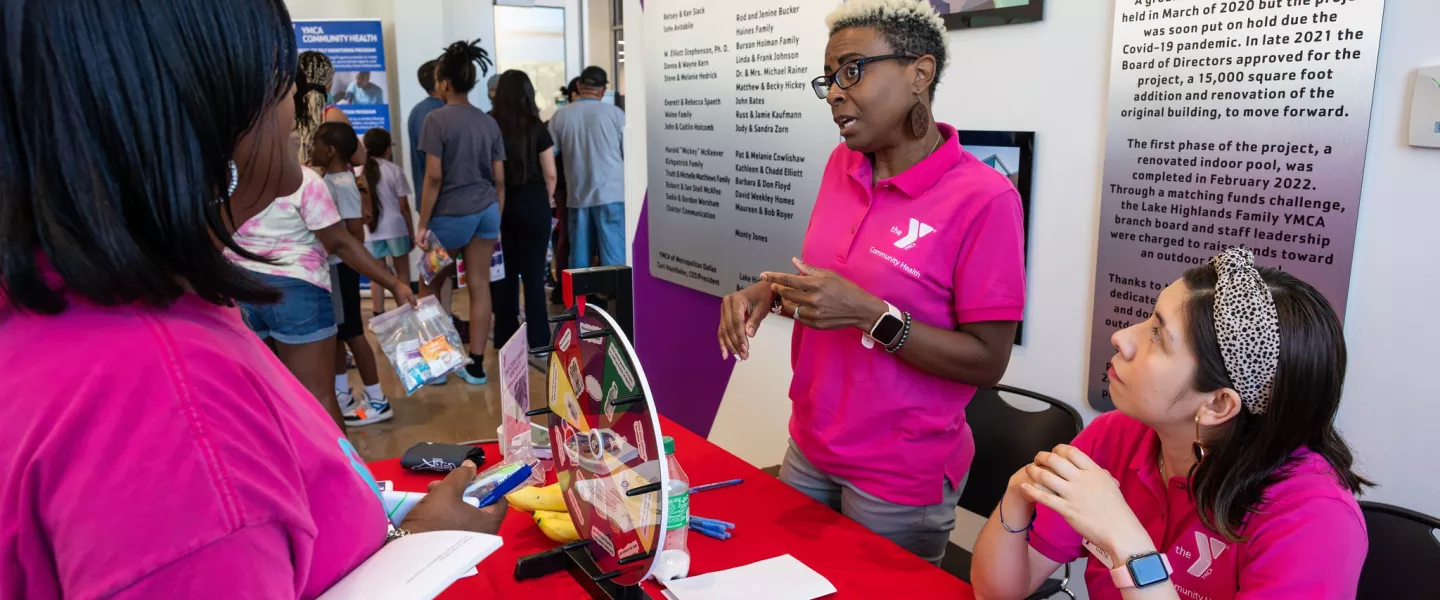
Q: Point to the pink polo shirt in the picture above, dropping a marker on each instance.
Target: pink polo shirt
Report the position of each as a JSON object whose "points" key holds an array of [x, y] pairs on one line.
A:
{"points": [[167, 453], [1307, 541], [944, 241]]}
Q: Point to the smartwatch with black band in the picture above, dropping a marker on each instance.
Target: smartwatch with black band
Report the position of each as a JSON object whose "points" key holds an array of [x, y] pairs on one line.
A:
{"points": [[889, 326]]}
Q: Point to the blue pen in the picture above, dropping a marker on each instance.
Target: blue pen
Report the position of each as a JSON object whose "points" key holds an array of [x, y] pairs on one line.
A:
{"points": [[710, 531], [718, 484], [520, 476], [724, 524]]}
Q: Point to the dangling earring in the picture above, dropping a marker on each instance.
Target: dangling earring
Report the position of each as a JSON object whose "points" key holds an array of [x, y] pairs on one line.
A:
{"points": [[234, 183], [919, 118], [1195, 447]]}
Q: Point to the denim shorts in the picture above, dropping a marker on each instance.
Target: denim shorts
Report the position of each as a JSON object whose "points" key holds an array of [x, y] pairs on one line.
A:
{"points": [[394, 247], [456, 231], [304, 314]]}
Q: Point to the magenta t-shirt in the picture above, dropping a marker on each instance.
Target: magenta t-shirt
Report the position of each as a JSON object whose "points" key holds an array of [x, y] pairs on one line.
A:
{"points": [[943, 240], [156, 453], [1307, 540]]}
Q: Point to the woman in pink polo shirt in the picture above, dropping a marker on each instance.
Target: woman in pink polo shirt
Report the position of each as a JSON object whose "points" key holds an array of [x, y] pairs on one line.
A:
{"points": [[909, 291], [1220, 475]]}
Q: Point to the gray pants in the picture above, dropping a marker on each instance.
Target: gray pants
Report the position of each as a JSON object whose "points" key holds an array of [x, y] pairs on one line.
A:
{"points": [[923, 530]]}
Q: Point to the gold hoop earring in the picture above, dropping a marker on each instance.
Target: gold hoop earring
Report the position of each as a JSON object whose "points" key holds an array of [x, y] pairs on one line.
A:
{"points": [[1195, 447], [919, 118]]}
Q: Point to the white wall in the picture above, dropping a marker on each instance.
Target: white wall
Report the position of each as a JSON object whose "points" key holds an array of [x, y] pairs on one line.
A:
{"points": [[1391, 406], [599, 49], [1051, 77]]}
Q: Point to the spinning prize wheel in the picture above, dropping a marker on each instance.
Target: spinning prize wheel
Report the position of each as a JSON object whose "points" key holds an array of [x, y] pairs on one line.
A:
{"points": [[609, 458]]}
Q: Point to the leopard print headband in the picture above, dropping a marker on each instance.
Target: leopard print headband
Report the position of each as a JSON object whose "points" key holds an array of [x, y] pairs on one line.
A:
{"points": [[1247, 327]]}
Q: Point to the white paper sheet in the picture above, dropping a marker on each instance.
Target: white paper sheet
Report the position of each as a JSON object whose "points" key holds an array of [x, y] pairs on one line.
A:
{"points": [[415, 567], [779, 578]]}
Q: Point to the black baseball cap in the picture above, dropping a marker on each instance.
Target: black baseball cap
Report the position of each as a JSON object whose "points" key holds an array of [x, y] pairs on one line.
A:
{"points": [[594, 76]]}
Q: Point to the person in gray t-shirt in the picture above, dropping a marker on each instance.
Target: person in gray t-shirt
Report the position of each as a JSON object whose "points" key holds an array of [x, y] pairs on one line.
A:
{"points": [[464, 188], [590, 135], [468, 143]]}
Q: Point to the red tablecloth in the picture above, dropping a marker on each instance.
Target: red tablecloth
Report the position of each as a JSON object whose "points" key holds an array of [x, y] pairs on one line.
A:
{"points": [[771, 519]]}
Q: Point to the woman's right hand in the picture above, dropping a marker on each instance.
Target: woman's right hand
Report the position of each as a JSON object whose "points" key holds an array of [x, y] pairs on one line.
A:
{"points": [[740, 316]]}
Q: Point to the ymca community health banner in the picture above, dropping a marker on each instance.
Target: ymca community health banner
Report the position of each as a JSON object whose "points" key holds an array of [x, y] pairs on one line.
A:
{"points": [[357, 49]]}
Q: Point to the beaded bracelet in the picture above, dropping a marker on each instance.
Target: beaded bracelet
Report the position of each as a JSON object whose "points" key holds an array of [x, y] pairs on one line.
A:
{"points": [[904, 335]]}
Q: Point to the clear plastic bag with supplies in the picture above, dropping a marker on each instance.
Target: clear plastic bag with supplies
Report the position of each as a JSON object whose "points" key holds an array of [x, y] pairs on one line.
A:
{"points": [[435, 258], [421, 342]]}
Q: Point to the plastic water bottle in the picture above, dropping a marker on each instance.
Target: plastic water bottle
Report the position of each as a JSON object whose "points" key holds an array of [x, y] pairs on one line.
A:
{"points": [[674, 561]]}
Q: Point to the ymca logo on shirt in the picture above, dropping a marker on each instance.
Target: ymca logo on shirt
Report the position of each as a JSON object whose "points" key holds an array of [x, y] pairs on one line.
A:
{"points": [[1207, 549], [908, 238]]}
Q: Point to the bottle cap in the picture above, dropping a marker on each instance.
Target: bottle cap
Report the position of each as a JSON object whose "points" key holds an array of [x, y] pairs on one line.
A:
{"points": [[669, 445]]}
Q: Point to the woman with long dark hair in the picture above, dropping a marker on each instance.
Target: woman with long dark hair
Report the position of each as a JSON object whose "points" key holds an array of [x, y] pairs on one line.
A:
{"points": [[529, 199], [1219, 475], [176, 457], [464, 187]]}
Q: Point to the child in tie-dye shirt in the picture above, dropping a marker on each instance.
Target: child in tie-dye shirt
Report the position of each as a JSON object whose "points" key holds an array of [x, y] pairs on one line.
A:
{"points": [[297, 234]]}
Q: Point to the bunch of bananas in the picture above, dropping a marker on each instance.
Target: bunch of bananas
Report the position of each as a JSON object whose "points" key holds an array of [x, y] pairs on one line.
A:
{"points": [[547, 507]]}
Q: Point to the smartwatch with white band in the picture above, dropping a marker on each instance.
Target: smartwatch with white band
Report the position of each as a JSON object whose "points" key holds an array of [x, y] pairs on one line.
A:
{"points": [[1142, 570], [889, 326]]}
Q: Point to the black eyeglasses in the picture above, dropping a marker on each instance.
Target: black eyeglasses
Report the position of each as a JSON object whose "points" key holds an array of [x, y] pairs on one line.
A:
{"points": [[849, 73]]}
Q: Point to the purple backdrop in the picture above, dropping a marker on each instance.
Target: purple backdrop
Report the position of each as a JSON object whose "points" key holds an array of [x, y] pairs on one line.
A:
{"points": [[675, 338]]}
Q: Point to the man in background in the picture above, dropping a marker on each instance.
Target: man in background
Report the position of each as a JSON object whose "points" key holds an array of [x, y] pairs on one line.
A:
{"points": [[417, 120], [361, 91], [590, 137]]}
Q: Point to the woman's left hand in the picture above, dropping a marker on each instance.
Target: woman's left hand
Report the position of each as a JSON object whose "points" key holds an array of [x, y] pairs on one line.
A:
{"points": [[825, 300], [444, 507], [1089, 499]]}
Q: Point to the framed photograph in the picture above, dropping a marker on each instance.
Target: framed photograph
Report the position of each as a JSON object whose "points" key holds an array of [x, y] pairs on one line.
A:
{"points": [[1012, 154], [965, 14]]}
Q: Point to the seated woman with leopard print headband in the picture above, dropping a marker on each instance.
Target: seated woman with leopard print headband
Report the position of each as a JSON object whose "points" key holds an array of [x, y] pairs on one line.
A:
{"points": [[1220, 474]]}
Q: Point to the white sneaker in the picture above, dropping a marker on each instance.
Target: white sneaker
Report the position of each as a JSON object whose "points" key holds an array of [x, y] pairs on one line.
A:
{"points": [[369, 411], [347, 401]]}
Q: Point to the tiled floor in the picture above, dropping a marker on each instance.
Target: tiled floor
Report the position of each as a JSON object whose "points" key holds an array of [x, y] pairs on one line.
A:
{"points": [[454, 412]]}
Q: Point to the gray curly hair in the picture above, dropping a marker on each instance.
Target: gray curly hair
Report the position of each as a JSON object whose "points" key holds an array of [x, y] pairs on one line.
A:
{"points": [[907, 25]]}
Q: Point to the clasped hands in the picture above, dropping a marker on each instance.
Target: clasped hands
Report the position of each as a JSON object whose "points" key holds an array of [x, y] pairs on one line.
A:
{"points": [[1083, 493], [817, 298]]}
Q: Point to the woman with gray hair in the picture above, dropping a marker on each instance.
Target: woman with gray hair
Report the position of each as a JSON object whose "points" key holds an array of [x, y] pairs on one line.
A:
{"points": [[908, 292]]}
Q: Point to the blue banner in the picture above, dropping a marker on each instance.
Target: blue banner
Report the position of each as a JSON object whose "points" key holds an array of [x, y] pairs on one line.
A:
{"points": [[351, 45], [356, 49], [364, 117]]}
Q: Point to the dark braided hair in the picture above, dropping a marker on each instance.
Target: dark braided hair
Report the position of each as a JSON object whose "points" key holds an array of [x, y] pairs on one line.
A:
{"points": [[457, 65], [313, 75], [377, 143]]}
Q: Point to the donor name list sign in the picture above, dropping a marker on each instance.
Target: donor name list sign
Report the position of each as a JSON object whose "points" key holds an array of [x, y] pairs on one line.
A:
{"points": [[1231, 123], [738, 140]]}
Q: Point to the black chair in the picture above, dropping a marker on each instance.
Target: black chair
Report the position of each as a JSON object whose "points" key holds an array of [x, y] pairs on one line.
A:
{"points": [[1403, 548], [1007, 438]]}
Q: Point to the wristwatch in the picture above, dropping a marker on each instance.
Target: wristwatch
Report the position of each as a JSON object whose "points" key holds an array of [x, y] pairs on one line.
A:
{"points": [[1142, 570], [889, 326]]}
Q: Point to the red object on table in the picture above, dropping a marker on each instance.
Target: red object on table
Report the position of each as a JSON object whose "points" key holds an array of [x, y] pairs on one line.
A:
{"points": [[770, 519]]}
